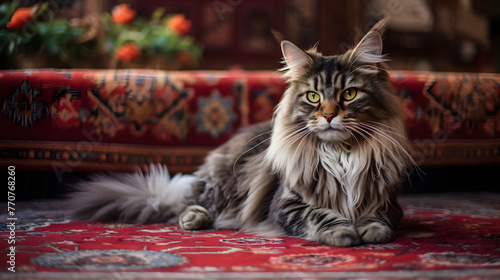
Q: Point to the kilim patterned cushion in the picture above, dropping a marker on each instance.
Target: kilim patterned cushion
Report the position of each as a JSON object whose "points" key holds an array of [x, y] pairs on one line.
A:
{"points": [[115, 120]]}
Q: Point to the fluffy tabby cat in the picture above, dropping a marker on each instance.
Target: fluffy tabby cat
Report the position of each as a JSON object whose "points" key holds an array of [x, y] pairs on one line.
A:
{"points": [[327, 168]]}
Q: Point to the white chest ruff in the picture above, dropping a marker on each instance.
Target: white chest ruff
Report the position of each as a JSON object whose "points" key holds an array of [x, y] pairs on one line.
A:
{"points": [[345, 175]]}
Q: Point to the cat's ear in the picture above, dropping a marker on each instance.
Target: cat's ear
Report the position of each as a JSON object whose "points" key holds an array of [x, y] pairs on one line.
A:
{"points": [[296, 60], [369, 49]]}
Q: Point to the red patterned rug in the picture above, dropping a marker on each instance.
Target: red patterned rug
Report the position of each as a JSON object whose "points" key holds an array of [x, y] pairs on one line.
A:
{"points": [[443, 236]]}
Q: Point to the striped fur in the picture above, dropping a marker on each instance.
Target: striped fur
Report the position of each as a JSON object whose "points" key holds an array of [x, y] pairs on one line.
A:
{"points": [[333, 182], [327, 171]]}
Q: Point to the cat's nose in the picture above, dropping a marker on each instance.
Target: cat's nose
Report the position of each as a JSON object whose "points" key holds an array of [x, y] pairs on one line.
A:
{"points": [[329, 116]]}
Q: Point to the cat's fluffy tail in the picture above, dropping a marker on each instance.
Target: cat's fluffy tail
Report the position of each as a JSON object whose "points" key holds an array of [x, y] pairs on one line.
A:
{"points": [[151, 197]]}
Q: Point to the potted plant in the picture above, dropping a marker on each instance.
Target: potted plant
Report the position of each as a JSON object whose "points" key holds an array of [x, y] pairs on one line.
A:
{"points": [[26, 41], [30, 38], [160, 42]]}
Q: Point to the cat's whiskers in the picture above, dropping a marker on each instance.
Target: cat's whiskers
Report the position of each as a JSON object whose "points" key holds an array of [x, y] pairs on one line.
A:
{"points": [[367, 137], [351, 134], [350, 128], [257, 136], [242, 154], [295, 129], [362, 134], [347, 142], [384, 133], [385, 128], [365, 130], [291, 138], [302, 140]]}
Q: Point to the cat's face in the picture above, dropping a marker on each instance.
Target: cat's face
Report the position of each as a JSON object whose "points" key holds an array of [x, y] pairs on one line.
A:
{"points": [[339, 115], [338, 97]]}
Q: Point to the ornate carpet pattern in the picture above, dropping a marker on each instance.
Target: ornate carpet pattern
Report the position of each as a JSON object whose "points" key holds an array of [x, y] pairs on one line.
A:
{"points": [[442, 236], [114, 120]]}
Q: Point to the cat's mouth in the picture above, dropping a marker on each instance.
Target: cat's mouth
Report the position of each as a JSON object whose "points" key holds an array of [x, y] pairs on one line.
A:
{"points": [[334, 128], [333, 133]]}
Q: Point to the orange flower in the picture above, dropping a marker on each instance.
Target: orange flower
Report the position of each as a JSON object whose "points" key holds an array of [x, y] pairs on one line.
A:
{"points": [[128, 52], [123, 14], [20, 18], [179, 24]]}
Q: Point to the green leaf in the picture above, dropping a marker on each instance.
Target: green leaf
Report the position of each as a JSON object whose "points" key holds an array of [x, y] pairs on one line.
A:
{"points": [[12, 47], [157, 14], [6, 12], [41, 9]]}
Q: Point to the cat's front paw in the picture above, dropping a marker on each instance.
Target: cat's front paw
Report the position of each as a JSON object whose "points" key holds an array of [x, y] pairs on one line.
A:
{"points": [[340, 236], [375, 233], [195, 217]]}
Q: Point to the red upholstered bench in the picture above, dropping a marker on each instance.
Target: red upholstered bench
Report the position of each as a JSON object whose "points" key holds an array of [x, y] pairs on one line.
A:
{"points": [[115, 120]]}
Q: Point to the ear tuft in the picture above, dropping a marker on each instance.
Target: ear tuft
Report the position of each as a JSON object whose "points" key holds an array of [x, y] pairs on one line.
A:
{"points": [[277, 35], [296, 60], [369, 50], [381, 25]]}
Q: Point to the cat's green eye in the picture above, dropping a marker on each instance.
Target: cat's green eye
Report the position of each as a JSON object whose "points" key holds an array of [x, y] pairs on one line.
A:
{"points": [[349, 94], [313, 97]]}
